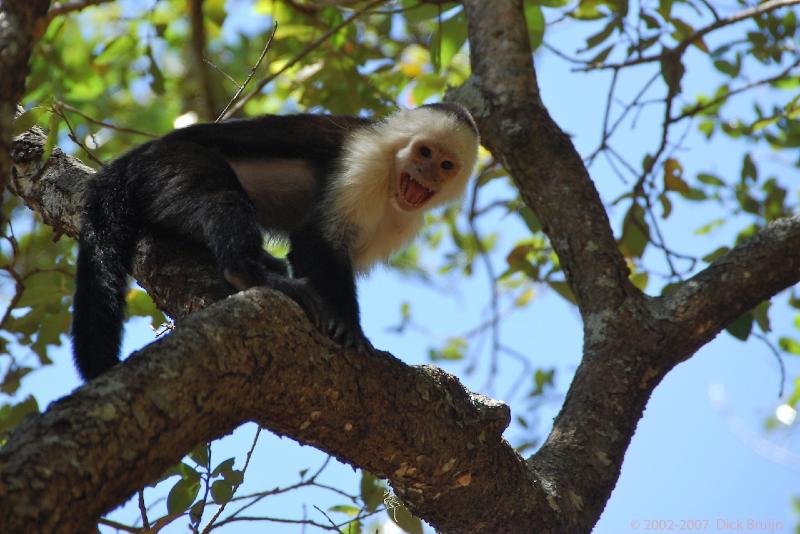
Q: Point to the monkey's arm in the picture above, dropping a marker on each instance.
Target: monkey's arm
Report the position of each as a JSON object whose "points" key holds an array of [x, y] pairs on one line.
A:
{"points": [[327, 267]]}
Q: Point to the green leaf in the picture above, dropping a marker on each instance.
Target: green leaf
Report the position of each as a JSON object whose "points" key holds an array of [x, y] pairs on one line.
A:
{"points": [[761, 315], [13, 378], [740, 328], [200, 454], [542, 379], [347, 509], [672, 70], [635, 232], [28, 120], [372, 491], [726, 67], [713, 256], [534, 18], [141, 305], [196, 512], [602, 35], [787, 344], [182, 495], [530, 218], [12, 414], [157, 77], [454, 35], [52, 136], [452, 351], [405, 520], [749, 171], [223, 467], [709, 227], [601, 57], [666, 205], [563, 289], [673, 177], [221, 491], [710, 179], [639, 280]]}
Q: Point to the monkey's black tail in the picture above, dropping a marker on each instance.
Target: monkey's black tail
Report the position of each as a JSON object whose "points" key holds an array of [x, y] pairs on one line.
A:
{"points": [[105, 256]]}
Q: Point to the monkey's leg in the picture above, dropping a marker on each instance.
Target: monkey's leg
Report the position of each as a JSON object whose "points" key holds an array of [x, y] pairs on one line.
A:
{"points": [[328, 269], [195, 193]]}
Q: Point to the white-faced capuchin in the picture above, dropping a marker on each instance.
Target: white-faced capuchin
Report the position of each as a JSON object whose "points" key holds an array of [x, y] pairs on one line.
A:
{"points": [[345, 191]]}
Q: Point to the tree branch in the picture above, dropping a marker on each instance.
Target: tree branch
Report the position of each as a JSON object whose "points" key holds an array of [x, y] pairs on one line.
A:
{"points": [[253, 357], [755, 11], [205, 84], [737, 282], [630, 342], [516, 127], [21, 23], [64, 8]]}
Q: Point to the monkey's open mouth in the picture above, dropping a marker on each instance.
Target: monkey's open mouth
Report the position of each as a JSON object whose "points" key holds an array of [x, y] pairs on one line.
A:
{"points": [[414, 193]]}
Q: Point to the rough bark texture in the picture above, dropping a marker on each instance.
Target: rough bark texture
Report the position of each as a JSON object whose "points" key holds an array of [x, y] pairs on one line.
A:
{"points": [[20, 24], [254, 357]]}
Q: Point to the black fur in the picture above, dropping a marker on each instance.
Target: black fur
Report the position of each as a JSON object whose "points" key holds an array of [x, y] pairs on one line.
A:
{"points": [[182, 184], [219, 185]]}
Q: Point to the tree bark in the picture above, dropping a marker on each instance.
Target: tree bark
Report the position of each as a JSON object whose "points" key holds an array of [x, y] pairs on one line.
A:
{"points": [[21, 23]]}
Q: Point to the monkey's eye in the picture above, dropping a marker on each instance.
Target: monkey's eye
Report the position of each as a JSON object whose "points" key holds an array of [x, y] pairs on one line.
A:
{"points": [[447, 165], [424, 151]]}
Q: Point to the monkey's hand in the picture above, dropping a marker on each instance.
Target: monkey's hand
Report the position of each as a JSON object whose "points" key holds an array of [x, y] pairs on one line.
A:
{"points": [[348, 333], [300, 291]]}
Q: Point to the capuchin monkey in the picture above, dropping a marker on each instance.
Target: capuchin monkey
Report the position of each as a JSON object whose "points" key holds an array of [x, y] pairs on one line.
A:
{"points": [[345, 191]]}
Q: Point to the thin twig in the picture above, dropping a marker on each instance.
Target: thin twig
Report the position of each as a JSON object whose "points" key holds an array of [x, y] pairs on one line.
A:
{"points": [[219, 511], [694, 110], [104, 124], [307, 50], [74, 136], [249, 77], [745, 14], [218, 69], [118, 526], [778, 358], [69, 7], [143, 512]]}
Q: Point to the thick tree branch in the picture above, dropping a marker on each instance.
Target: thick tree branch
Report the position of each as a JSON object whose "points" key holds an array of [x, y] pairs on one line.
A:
{"points": [[198, 52], [630, 342], [515, 125], [252, 357], [20, 24], [737, 282]]}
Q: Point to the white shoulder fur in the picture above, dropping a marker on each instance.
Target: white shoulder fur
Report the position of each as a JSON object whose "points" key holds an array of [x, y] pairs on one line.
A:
{"points": [[361, 212]]}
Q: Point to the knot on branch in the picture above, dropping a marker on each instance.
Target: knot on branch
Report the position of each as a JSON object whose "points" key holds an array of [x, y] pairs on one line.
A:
{"points": [[471, 409]]}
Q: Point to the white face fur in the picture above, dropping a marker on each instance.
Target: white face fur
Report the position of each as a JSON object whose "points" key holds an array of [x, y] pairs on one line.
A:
{"points": [[394, 171]]}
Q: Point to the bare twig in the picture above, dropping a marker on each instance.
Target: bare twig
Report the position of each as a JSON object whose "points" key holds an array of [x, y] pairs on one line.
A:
{"points": [[778, 358], [117, 525], [694, 110], [72, 109], [74, 137], [143, 511], [69, 7], [219, 511], [307, 50], [249, 76], [745, 14]]}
